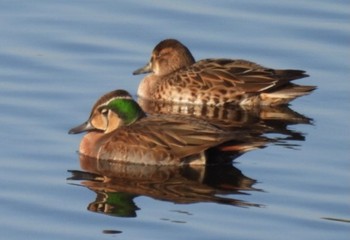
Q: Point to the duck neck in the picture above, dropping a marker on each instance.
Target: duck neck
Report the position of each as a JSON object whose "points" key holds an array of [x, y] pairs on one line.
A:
{"points": [[146, 86]]}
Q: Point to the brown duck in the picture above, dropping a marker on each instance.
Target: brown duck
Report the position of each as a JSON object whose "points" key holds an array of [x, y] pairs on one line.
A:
{"points": [[175, 76]]}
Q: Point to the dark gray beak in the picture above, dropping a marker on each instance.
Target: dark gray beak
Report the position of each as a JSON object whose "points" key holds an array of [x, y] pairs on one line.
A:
{"points": [[145, 69], [86, 126]]}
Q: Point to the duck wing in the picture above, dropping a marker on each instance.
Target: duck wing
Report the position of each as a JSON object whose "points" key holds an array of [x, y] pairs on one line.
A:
{"points": [[161, 140], [241, 75]]}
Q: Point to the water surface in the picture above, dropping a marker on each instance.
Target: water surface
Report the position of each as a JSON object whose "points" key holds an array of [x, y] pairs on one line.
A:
{"points": [[58, 57]]}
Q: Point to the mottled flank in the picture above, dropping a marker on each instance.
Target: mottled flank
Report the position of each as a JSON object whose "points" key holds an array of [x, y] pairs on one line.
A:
{"points": [[176, 77]]}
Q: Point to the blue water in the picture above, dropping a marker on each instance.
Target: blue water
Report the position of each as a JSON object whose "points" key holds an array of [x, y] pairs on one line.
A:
{"points": [[58, 57]]}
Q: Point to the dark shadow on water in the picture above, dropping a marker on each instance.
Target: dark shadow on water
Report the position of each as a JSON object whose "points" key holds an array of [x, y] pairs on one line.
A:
{"points": [[117, 185]]}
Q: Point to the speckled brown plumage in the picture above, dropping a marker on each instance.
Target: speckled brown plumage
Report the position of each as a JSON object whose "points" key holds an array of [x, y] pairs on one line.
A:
{"points": [[176, 77]]}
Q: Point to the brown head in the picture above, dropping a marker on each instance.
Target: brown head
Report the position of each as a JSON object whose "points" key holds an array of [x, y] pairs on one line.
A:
{"points": [[168, 56]]}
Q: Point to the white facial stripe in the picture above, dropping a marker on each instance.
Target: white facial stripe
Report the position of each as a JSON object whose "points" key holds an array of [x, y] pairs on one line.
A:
{"points": [[108, 100], [114, 98]]}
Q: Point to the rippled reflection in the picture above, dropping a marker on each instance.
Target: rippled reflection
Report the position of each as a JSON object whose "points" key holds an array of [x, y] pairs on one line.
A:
{"points": [[117, 184]]}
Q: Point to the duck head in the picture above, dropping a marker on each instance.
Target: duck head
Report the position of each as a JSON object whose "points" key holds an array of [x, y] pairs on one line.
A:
{"points": [[111, 111], [168, 56]]}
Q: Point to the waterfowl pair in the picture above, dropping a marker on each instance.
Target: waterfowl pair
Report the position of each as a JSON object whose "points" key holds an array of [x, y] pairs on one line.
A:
{"points": [[175, 76], [119, 130]]}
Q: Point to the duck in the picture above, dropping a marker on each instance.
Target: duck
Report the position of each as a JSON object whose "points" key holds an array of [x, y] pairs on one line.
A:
{"points": [[175, 76], [118, 130]]}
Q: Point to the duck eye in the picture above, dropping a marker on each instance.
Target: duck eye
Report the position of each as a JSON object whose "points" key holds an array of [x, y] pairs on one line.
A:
{"points": [[160, 54], [104, 112]]}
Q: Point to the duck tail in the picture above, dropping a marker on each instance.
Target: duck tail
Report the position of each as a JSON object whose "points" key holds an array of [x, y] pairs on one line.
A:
{"points": [[290, 74], [245, 144], [284, 95]]}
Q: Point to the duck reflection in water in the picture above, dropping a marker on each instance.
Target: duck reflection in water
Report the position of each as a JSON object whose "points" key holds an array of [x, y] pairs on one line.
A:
{"points": [[117, 184], [261, 121]]}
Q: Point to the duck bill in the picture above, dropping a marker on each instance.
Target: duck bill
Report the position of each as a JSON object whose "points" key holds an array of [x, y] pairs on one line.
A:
{"points": [[86, 126], [145, 69]]}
